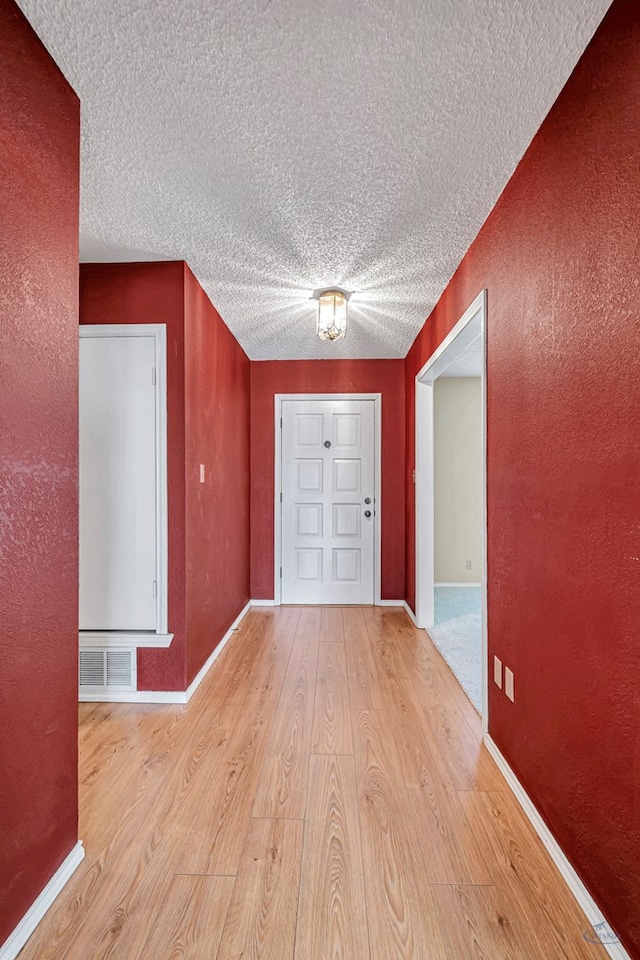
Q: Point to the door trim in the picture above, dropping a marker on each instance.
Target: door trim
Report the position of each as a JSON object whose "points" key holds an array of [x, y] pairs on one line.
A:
{"points": [[159, 333], [377, 466], [453, 344]]}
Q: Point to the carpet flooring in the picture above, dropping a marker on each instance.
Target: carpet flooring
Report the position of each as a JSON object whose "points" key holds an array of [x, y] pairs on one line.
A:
{"points": [[457, 633]]}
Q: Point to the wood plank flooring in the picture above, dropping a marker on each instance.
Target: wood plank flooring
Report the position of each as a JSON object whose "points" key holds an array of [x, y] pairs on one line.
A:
{"points": [[324, 796]]}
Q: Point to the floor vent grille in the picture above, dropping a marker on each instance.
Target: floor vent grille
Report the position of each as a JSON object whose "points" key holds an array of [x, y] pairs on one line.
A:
{"points": [[107, 671]]}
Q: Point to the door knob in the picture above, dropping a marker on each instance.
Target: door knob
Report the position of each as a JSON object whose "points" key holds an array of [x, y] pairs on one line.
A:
{"points": [[367, 513]]}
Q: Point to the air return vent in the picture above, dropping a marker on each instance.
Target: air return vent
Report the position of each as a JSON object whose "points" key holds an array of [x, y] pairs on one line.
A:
{"points": [[107, 671]]}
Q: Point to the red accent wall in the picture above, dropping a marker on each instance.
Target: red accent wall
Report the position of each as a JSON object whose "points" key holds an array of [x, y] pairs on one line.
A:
{"points": [[326, 376], [39, 171], [154, 293], [207, 422], [217, 511], [559, 257]]}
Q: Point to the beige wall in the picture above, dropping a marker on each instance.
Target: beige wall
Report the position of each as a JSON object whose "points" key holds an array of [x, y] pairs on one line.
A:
{"points": [[458, 479]]}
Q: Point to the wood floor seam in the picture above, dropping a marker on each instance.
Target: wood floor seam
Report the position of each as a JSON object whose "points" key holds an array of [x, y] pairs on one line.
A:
{"points": [[458, 883], [284, 819]]}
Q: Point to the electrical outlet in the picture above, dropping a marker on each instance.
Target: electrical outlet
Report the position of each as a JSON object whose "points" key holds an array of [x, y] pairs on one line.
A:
{"points": [[497, 672], [508, 684], [468, 565], [202, 473]]}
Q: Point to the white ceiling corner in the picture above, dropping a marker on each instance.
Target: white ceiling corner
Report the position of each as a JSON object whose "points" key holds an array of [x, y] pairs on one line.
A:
{"points": [[278, 147]]}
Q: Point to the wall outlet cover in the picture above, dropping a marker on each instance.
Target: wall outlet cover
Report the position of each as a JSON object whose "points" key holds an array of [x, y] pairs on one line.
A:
{"points": [[497, 672], [509, 684]]}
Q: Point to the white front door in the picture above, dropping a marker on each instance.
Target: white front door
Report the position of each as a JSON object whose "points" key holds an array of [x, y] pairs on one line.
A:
{"points": [[328, 484], [118, 571]]}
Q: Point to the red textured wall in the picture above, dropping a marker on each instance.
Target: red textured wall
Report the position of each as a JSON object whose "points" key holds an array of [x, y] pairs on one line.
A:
{"points": [[326, 376], [217, 511], [39, 137], [154, 293], [559, 256]]}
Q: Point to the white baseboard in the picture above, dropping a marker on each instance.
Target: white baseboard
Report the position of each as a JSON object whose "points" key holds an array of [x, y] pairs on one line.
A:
{"points": [[169, 696], [447, 583], [411, 613], [584, 899], [16, 941], [378, 603], [199, 677], [136, 696]]}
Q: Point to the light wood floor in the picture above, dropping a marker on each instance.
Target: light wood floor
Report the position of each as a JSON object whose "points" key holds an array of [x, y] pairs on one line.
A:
{"points": [[324, 796]]}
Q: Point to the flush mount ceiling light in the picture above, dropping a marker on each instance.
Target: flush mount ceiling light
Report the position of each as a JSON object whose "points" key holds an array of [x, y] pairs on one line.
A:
{"points": [[332, 312]]}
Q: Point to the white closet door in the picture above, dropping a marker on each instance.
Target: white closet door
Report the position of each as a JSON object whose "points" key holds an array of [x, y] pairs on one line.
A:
{"points": [[117, 483], [327, 501]]}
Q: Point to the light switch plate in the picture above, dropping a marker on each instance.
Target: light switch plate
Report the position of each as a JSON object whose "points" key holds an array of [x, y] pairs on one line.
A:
{"points": [[508, 684], [202, 473], [497, 672]]}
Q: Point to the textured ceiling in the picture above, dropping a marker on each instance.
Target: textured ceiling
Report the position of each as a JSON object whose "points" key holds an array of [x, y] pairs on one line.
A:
{"points": [[280, 146]]}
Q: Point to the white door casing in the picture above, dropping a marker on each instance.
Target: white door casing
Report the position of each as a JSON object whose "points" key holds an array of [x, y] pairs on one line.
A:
{"points": [[123, 514], [469, 327], [328, 529]]}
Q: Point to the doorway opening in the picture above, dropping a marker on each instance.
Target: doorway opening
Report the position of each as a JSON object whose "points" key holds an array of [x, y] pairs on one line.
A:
{"points": [[451, 566]]}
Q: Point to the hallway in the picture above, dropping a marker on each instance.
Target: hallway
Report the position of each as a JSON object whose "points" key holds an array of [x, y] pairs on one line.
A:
{"points": [[324, 795]]}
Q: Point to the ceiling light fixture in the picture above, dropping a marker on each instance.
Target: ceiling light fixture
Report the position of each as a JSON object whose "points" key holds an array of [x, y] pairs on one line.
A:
{"points": [[332, 312]]}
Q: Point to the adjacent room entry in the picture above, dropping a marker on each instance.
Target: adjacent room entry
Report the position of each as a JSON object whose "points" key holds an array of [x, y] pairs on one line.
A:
{"points": [[451, 498], [123, 512], [328, 494]]}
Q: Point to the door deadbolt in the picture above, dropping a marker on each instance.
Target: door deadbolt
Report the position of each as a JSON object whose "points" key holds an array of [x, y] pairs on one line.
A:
{"points": [[367, 499], [327, 443], [367, 513]]}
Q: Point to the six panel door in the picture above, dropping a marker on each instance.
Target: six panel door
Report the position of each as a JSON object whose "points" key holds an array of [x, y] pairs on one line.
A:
{"points": [[328, 483]]}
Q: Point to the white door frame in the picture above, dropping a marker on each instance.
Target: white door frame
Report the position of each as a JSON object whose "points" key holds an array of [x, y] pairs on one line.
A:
{"points": [[377, 466], [160, 637], [466, 330]]}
